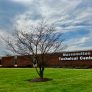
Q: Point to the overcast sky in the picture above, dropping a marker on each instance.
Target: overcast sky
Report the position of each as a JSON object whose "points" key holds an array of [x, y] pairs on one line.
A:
{"points": [[72, 17]]}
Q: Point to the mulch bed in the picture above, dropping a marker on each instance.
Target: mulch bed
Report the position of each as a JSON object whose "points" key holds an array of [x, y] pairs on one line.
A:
{"points": [[40, 80]]}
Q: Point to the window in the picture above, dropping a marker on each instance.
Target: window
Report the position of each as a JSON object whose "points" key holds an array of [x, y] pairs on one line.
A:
{"points": [[15, 62], [0, 61]]}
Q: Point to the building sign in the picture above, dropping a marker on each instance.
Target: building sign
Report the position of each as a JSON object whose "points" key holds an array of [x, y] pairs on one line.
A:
{"points": [[76, 56]]}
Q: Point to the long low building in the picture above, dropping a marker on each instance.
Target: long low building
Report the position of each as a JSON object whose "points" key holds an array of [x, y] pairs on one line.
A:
{"points": [[73, 59]]}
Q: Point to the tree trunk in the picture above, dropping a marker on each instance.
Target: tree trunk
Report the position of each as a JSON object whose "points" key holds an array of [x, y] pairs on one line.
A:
{"points": [[41, 72]]}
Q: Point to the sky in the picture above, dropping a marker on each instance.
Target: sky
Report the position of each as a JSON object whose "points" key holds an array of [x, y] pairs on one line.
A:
{"points": [[71, 17]]}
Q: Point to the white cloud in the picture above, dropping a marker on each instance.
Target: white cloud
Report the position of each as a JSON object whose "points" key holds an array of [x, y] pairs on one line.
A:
{"points": [[64, 11], [52, 10], [22, 1], [3, 34], [57, 9], [78, 43], [68, 15]]}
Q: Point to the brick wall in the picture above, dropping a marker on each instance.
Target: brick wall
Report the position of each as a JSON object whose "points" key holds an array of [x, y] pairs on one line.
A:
{"points": [[51, 60], [7, 61]]}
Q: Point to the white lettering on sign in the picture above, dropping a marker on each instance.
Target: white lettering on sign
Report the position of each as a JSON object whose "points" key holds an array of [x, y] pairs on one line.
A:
{"points": [[76, 56], [86, 58], [68, 58], [76, 53]]}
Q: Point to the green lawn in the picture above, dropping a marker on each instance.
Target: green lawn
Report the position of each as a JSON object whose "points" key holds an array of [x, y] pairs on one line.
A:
{"points": [[64, 80]]}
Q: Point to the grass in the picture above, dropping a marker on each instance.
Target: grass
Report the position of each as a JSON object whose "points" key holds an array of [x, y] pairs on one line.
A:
{"points": [[64, 80]]}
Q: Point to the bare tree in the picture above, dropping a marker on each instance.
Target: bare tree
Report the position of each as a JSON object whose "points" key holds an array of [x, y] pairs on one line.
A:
{"points": [[38, 42]]}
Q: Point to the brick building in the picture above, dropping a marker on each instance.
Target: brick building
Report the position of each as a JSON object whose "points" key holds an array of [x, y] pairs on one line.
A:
{"points": [[74, 59]]}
